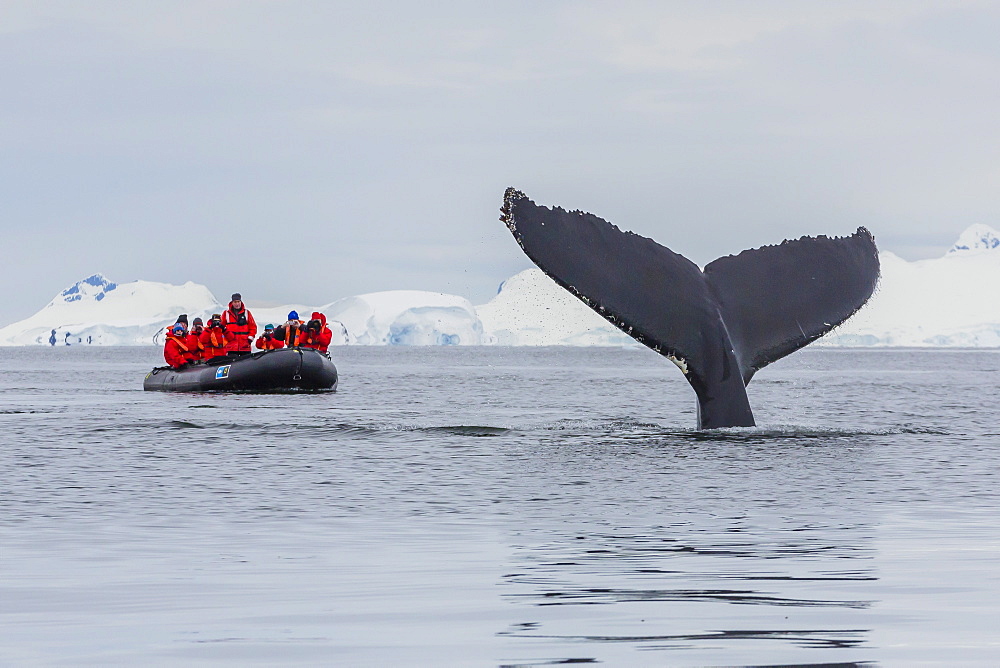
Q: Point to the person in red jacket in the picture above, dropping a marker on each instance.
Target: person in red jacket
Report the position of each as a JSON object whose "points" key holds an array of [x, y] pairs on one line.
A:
{"points": [[239, 324], [195, 346], [214, 339], [316, 334], [326, 334], [267, 340], [175, 349]]}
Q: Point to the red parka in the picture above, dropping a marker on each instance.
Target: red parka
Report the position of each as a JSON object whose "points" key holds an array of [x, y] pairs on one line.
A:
{"points": [[175, 350], [214, 342], [196, 349], [265, 342], [319, 340], [239, 335]]}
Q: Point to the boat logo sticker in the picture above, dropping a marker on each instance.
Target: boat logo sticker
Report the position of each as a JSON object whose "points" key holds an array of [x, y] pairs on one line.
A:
{"points": [[222, 372]]}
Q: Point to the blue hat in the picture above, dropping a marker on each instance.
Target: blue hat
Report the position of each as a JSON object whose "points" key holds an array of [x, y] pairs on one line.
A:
{"points": [[293, 315], [177, 328], [268, 326]]}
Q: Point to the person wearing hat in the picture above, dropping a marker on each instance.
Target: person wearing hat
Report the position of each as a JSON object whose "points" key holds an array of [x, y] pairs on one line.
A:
{"points": [[194, 340], [239, 324], [316, 334], [175, 348], [290, 333], [214, 340], [267, 340]]}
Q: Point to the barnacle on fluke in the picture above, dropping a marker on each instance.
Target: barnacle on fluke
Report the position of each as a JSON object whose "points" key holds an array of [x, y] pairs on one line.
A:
{"points": [[722, 324]]}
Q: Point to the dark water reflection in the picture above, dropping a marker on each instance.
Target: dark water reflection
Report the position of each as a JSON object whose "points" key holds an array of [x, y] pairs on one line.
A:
{"points": [[501, 507]]}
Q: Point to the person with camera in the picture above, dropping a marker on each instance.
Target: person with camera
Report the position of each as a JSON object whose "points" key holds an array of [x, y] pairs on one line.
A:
{"points": [[175, 349], [194, 344], [316, 334], [239, 324], [214, 339], [268, 341], [290, 333]]}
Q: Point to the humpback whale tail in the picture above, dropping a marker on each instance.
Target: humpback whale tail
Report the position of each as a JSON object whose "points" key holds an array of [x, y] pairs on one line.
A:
{"points": [[720, 325]]}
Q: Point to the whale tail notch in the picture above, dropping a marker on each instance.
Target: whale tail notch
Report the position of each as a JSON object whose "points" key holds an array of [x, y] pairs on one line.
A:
{"points": [[720, 325]]}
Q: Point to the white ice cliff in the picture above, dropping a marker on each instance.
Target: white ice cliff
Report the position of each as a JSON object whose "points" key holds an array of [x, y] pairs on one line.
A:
{"points": [[950, 301], [531, 309]]}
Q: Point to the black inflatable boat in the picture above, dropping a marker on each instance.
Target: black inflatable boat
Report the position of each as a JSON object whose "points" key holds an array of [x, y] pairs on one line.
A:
{"points": [[267, 371]]}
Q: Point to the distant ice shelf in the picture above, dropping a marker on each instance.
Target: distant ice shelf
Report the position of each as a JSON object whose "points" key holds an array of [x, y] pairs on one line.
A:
{"points": [[951, 301]]}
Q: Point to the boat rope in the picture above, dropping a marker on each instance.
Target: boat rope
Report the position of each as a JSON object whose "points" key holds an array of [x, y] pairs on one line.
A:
{"points": [[298, 369]]}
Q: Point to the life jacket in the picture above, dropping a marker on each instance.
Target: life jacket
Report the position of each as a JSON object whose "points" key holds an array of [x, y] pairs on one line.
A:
{"points": [[215, 342], [175, 350], [292, 333], [196, 350], [239, 335], [265, 342]]}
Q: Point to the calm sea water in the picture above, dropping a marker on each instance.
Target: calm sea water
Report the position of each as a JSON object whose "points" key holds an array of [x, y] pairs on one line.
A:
{"points": [[501, 507]]}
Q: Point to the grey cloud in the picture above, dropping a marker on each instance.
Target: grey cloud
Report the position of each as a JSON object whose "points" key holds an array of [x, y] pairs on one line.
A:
{"points": [[201, 142]]}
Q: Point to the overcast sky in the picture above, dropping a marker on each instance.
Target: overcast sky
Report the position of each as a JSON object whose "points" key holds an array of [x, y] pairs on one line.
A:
{"points": [[306, 151]]}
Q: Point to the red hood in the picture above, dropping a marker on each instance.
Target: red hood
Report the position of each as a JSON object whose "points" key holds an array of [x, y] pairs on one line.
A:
{"points": [[319, 316]]}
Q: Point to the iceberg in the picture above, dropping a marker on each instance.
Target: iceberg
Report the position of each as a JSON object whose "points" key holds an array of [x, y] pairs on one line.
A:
{"points": [[407, 318], [942, 302], [948, 301], [395, 317], [530, 309]]}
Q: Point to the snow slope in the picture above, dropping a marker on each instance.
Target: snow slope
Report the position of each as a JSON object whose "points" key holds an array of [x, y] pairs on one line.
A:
{"points": [[953, 300], [407, 317], [531, 309], [97, 311], [396, 317], [950, 301]]}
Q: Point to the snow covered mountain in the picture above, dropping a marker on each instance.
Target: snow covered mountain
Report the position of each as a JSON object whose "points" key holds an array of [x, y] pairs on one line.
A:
{"points": [[977, 237], [950, 301], [97, 311], [531, 309], [953, 300]]}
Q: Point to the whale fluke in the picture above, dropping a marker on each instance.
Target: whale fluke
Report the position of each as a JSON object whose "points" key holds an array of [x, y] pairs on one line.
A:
{"points": [[720, 325]]}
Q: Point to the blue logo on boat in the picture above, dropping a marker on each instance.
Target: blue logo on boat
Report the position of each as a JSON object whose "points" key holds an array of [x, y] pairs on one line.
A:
{"points": [[222, 372]]}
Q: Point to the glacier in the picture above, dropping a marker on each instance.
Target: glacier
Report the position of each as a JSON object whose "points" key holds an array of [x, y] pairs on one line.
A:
{"points": [[530, 309], [407, 317], [96, 311], [394, 317], [949, 301]]}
